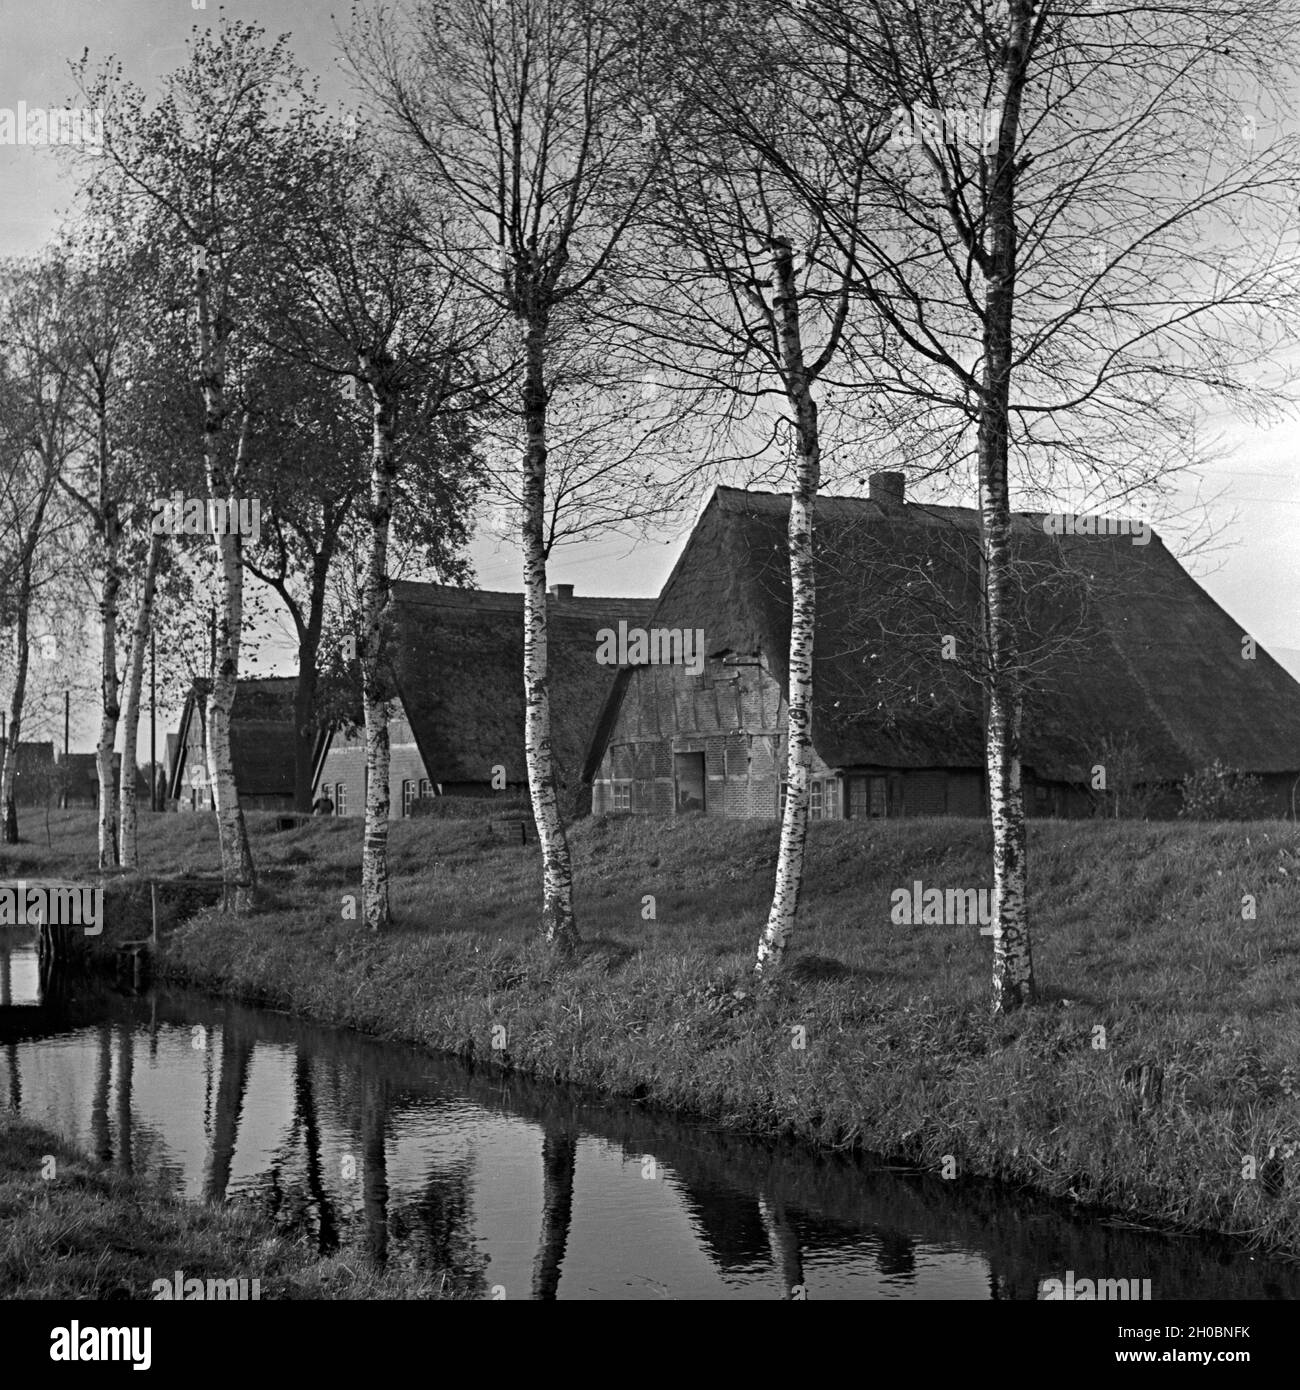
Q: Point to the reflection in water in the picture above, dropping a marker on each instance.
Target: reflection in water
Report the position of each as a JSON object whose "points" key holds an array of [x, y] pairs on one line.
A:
{"points": [[101, 1145], [236, 1055], [783, 1241], [327, 1235], [374, 1165], [389, 1152], [125, 1074], [559, 1162]]}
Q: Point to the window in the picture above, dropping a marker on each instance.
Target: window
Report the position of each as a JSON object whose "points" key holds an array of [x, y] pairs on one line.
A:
{"points": [[815, 801], [341, 799], [831, 809], [426, 788], [408, 795], [622, 796], [867, 798]]}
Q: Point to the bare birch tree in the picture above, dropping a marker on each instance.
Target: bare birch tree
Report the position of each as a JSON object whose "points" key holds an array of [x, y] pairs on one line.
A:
{"points": [[363, 300], [517, 113], [753, 300], [1080, 237], [128, 816]]}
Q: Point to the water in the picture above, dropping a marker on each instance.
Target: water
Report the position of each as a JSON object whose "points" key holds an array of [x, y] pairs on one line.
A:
{"points": [[528, 1188]]}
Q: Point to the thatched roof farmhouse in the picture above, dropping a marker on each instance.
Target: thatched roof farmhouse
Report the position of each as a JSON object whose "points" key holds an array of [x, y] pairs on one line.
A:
{"points": [[261, 746], [1128, 664], [458, 667]]}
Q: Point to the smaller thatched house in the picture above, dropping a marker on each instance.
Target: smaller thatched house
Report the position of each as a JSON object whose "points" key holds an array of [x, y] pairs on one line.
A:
{"points": [[458, 667], [261, 745]]}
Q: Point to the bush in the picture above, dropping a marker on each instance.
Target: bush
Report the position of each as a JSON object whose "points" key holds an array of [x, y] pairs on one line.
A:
{"points": [[1218, 792]]}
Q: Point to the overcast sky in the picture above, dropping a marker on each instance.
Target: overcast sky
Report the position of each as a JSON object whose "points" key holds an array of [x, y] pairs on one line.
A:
{"points": [[1254, 572]]}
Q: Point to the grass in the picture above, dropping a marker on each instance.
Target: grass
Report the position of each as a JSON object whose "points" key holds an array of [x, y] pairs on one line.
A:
{"points": [[89, 1233], [1139, 938]]}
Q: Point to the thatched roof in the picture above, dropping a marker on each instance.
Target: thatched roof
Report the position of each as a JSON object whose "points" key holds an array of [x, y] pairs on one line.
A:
{"points": [[261, 736], [34, 756], [1122, 641], [459, 671]]}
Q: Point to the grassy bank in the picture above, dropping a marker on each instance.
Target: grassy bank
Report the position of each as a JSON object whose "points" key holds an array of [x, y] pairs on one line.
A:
{"points": [[1141, 948], [85, 1232]]}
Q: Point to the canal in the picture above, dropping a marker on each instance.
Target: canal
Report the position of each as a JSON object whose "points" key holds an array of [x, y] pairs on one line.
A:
{"points": [[525, 1190]]}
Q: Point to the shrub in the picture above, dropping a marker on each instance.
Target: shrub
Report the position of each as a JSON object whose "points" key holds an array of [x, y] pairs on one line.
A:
{"points": [[1218, 792]]}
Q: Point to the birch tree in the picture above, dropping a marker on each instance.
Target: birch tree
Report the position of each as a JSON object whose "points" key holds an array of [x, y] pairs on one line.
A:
{"points": [[1080, 236], [756, 305], [38, 432], [128, 817], [158, 441], [102, 307], [363, 301], [208, 172], [517, 114]]}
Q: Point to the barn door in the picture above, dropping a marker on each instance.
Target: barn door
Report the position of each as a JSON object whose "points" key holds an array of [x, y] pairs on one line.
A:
{"points": [[688, 769]]}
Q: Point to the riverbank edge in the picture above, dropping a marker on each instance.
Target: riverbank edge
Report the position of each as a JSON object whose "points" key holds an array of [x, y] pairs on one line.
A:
{"points": [[352, 989], [75, 1229]]}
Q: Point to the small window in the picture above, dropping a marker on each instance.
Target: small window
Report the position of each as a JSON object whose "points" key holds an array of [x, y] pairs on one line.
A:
{"points": [[408, 795], [341, 799], [831, 794], [426, 788], [622, 796], [815, 801]]}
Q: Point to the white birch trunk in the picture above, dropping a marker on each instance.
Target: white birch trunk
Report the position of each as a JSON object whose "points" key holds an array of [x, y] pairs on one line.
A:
{"points": [[22, 655], [236, 855], [794, 823], [8, 808], [110, 709], [1013, 970], [128, 821], [558, 923], [783, 1242], [374, 598]]}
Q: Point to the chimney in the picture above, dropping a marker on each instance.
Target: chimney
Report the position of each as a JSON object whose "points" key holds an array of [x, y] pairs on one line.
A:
{"points": [[561, 593], [887, 489]]}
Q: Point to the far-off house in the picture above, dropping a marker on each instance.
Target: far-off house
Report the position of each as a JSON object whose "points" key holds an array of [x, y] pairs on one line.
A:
{"points": [[261, 747], [35, 776], [458, 729], [1129, 670], [76, 777]]}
